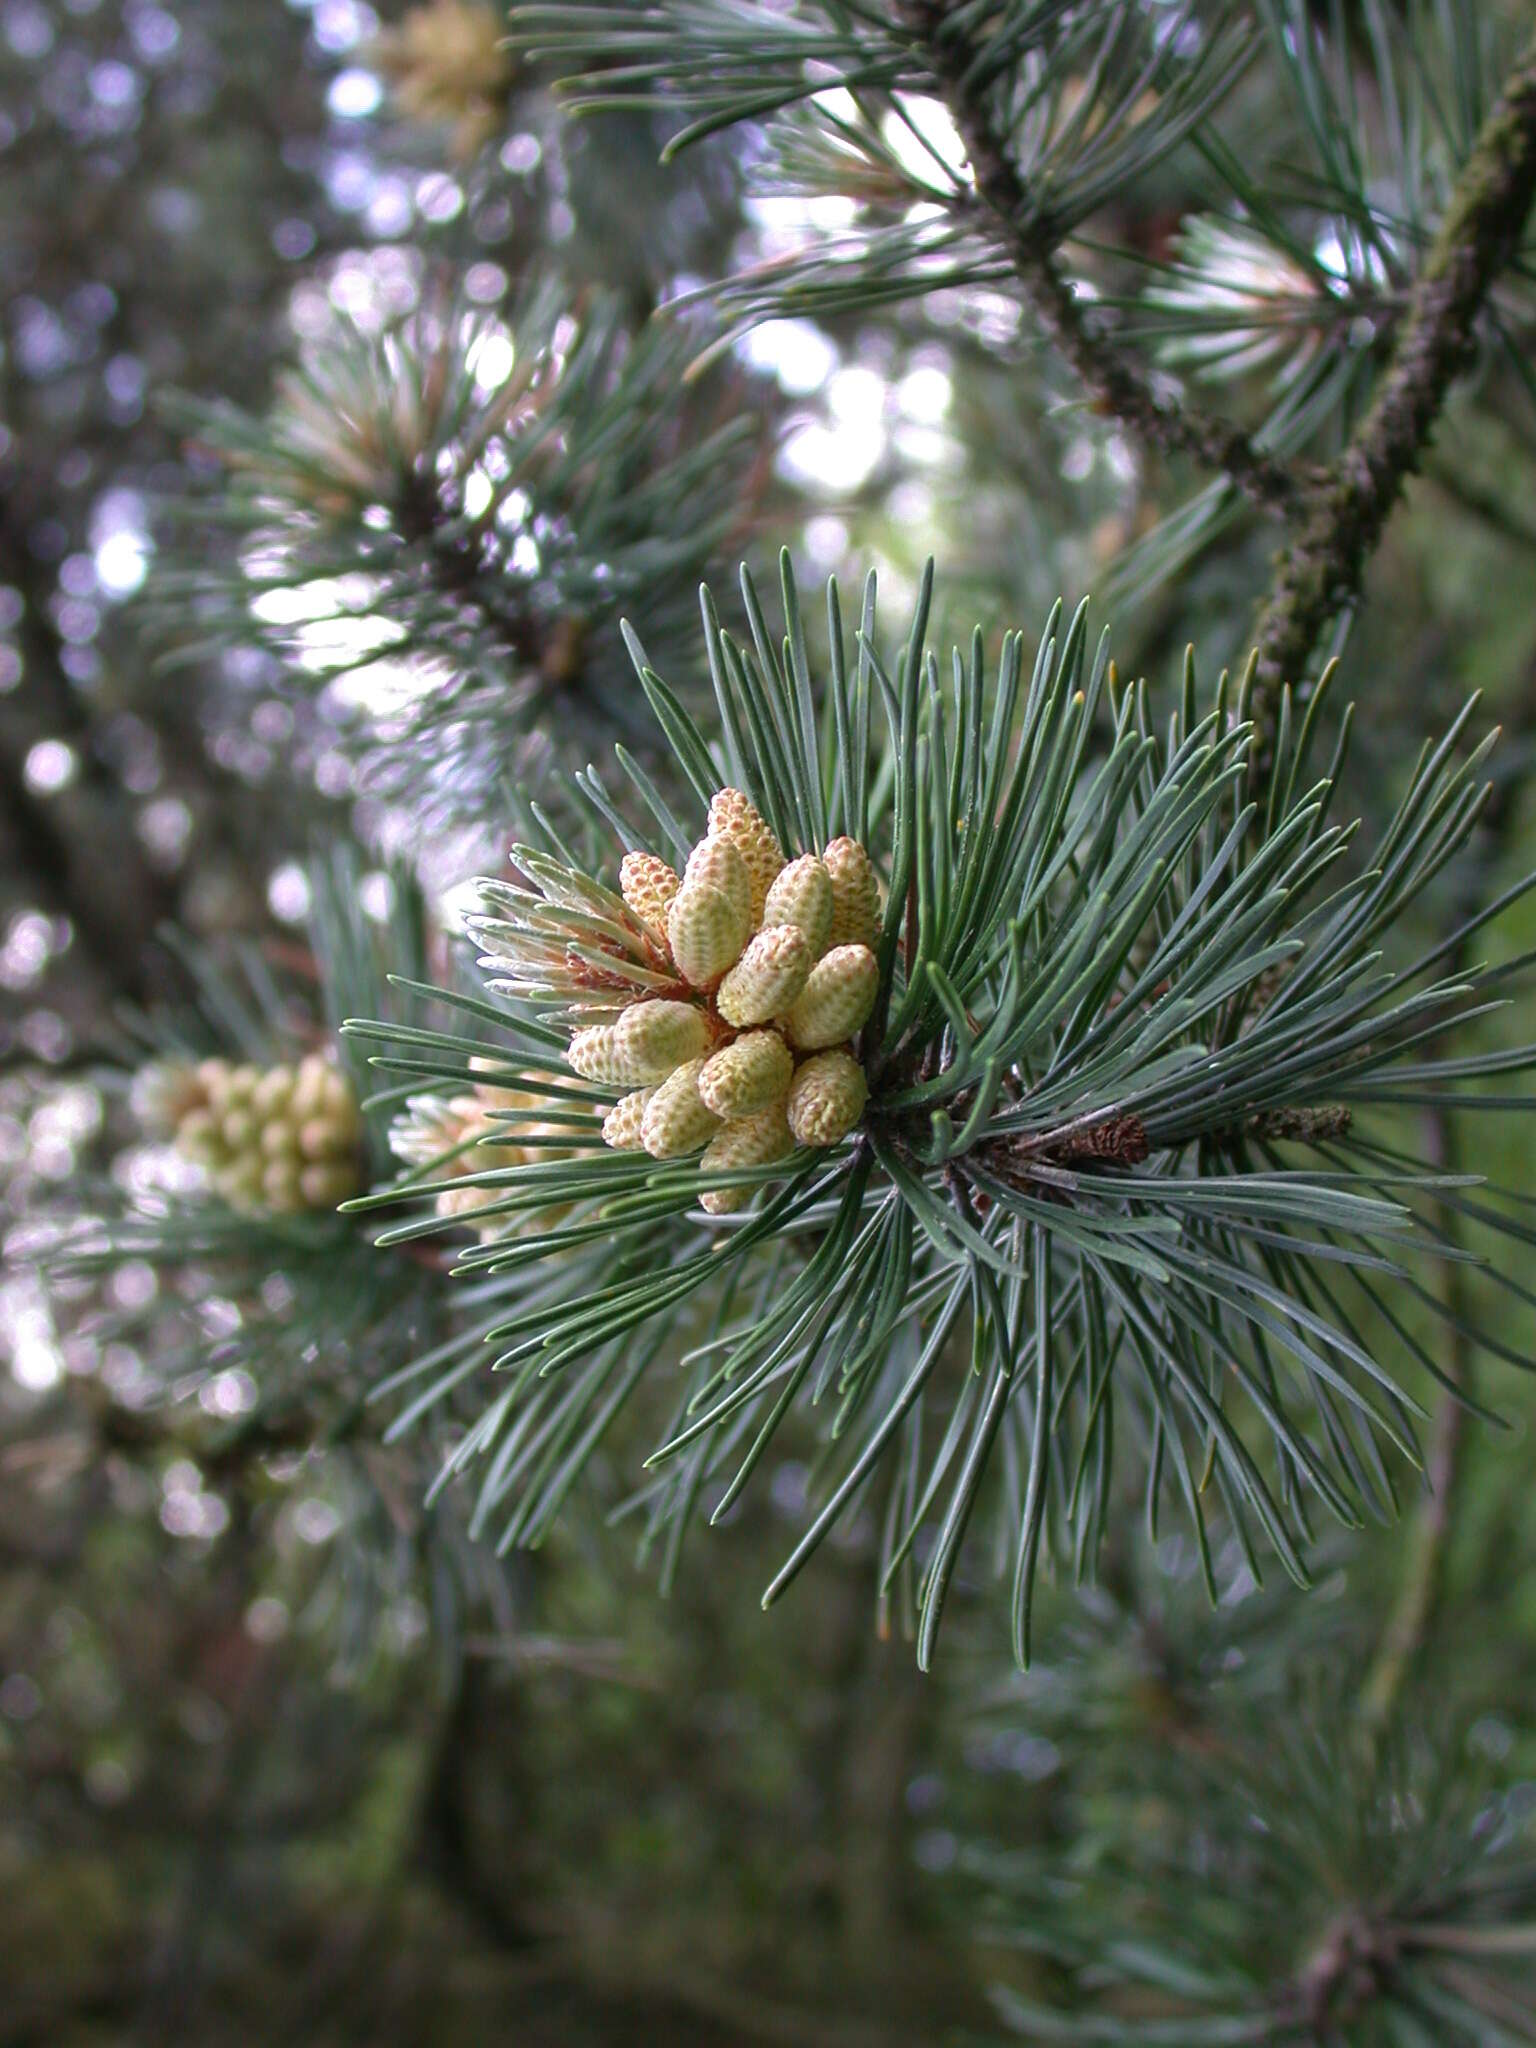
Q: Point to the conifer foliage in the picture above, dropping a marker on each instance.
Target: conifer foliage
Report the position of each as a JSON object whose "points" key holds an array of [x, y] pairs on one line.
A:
{"points": [[1080, 1171], [1000, 1113]]}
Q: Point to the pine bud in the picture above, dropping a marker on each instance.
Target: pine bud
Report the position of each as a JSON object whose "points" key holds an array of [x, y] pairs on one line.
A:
{"points": [[324, 1137], [310, 1086], [595, 1055], [243, 1081], [653, 1038], [274, 1091], [239, 1131], [621, 1126], [279, 1140], [753, 1142], [707, 932], [648, 885], [767, 978], [802, 894], [447, 66], [734, 816], [855, 894], [748, 1076], [836, 1000], [282, 1190], [676, 1120], [826, 1098], [716, 864]]}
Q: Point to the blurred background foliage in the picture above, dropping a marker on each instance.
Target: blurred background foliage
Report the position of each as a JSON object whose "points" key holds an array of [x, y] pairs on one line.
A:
{"points": [[282, 1754]]}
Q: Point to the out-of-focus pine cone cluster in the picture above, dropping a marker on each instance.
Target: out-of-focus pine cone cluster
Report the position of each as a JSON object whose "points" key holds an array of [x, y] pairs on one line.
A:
{"points": [[447, 68], [279, 1139], [722, 1001]]}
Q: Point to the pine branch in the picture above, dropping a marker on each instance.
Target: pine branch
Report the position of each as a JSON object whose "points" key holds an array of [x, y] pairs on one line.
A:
{"points": [[1117, 382], [1017, 1134], [1322, 567]]}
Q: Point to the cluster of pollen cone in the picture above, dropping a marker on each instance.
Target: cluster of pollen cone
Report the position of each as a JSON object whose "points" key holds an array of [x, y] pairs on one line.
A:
{"points": [[279, 1138], [461, 1135], [722, 1000]]}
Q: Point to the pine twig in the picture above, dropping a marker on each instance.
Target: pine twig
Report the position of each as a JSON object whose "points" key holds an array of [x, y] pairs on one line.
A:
{"points": [[1117, 382], [1412, 1617], [1408, 1626], [1322, 566]]}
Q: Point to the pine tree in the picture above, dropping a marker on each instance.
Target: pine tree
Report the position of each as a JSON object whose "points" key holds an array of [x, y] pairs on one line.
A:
{"points": [[1047, 1095]]}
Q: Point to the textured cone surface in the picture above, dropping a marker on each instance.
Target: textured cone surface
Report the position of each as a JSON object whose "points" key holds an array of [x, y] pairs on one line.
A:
{"points": [[676, 1120], [717, 864], [826, 1098], [621, 1126], [753, 1142], [836, 1000], [801, 894], [648, 885], [734, 816], [855, 895], [767, 978], [654, 1038], [707, 932], [742, 1079], [595, 1054]]}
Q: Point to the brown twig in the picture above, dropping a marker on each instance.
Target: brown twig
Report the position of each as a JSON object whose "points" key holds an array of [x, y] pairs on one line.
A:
{"points": [[1346, 511], [1116, 380], [1409, 1624], [1335, 516]]}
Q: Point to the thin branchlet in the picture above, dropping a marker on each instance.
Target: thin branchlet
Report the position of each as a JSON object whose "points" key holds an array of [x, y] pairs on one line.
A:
{"points": [[1118, 383], [1322, 567]]}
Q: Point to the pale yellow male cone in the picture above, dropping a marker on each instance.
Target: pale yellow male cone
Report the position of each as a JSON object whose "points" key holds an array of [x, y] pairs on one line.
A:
{"points": [[767, 978], [755, 1141], [622, 1125], [273, 1093], [707, 932], [826, 1098], [855, 894], [649, 1040], [748, 1076], [801, 894], [716, 864], [676, 1119], [595, 1055], [837, 998], [653, 1038], [648, 885], [734, 816]]}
